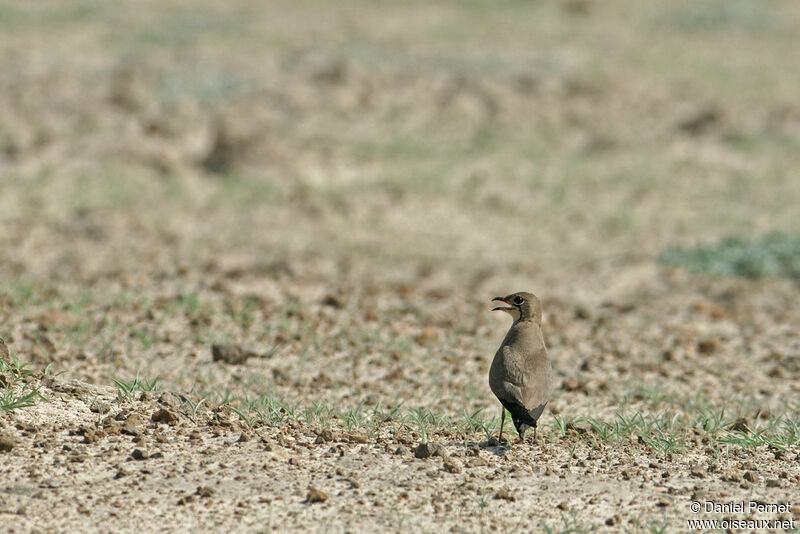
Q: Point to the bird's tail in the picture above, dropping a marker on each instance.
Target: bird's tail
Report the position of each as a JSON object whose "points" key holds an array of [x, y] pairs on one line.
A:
{"points": [[523, 419]]}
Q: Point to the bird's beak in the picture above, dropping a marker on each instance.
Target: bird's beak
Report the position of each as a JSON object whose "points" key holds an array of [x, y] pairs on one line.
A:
{"points": [[501, 308]]}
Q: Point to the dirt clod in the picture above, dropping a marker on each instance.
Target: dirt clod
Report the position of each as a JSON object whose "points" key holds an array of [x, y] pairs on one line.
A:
{"points": [[121, 473], [163, 415], [232, 354], [505, 494], [6, 443], [451, 466], [132, 425], [357, 437], [708, 346], [315, 495], [698, 472], [428, 449]]}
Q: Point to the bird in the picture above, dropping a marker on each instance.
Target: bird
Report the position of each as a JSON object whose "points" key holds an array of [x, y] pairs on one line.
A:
{"points": [[521, 376]]}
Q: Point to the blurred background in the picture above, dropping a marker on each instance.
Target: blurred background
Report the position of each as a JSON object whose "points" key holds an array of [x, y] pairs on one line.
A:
{"points": [[332, 192], [361, 177]]}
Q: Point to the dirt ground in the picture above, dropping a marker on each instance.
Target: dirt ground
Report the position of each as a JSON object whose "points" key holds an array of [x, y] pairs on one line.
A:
{"points": [[334, 192]]}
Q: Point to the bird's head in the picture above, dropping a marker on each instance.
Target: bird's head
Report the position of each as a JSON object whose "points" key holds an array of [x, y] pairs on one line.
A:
{"points": [[522, 306]]}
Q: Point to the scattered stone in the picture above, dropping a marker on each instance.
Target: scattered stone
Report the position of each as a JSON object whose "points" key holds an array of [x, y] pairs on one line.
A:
{"points": [[294, 461], [357, 437], [92, 436], [170, 400], [563, 506], [139, 454], [73, 387], [732, 477], [669, 355], [403, 439], [708, 346], [478, 462], [773, 483], [162, 415], [701, 120], [428, 449], [582, 313], [315, 495], [750, 476], [121, 473], [204, 492], [131, 425], [324, 436], [400, 451], [334, 300], [505, 494], [451, 466], [232, 354], [698, 472], [6, 443], [226, 150]]}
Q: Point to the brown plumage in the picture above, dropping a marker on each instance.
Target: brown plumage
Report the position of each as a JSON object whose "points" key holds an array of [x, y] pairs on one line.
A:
{"points": [[521, 376], [3, 349]]}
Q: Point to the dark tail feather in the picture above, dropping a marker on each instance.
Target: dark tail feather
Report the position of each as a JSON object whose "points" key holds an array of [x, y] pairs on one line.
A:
{"points": [[523, 419]]}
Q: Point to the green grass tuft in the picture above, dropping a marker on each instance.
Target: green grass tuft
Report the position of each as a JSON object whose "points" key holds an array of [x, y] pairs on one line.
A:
{"points": [[16, 390], [127, 390], [774, 255]]}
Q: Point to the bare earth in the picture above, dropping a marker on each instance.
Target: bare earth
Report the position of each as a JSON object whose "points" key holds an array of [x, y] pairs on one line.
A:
{"points": [[338, 190]]}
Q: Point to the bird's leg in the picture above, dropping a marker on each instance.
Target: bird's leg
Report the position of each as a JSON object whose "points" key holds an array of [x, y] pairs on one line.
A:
{"points": [[534, 434], [502, 423]]}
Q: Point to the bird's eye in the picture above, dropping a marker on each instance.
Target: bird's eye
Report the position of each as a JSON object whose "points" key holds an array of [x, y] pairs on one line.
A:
{"points": [[518, 300]]}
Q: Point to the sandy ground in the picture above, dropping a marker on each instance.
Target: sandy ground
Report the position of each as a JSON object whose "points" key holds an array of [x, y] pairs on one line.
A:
{"points": [[339, 190]]}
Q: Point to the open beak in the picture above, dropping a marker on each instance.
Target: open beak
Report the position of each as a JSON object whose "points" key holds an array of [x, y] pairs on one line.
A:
{"points": [[501, 308]]}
